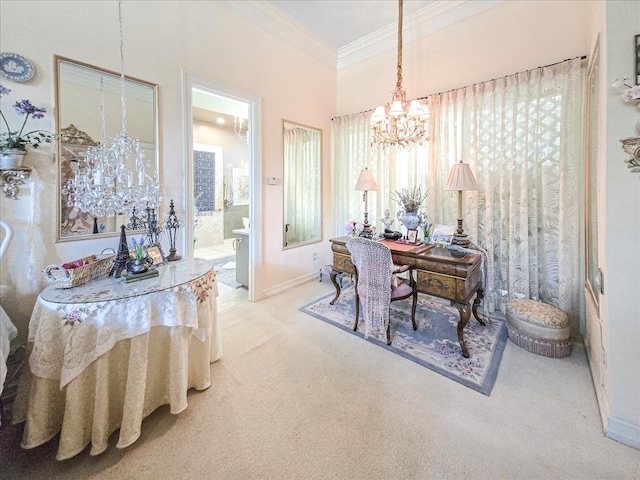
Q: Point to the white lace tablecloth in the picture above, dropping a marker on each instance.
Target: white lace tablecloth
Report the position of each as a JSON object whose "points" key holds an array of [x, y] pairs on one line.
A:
{"points": [[95, 349]]}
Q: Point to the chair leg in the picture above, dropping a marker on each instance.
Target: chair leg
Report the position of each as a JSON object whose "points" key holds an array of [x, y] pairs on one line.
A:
{"points": [[355, 325], [413, 310], [389, 329]]}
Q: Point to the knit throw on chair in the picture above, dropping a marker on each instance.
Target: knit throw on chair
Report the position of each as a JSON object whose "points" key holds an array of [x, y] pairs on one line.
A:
{"points": [[373, 282]]}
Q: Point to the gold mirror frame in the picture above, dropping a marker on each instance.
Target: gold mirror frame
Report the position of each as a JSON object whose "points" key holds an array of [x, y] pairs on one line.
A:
{"points": [[302, 184], [78, 95]]}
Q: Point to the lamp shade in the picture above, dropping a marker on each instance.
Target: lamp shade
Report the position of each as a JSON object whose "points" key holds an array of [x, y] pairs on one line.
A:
{"points": [[366, 181], [461, 178]]}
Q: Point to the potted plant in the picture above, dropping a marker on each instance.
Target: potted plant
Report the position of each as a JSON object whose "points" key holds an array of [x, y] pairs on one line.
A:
{"points": [[14, 143], [409, 201], [140, 262]]}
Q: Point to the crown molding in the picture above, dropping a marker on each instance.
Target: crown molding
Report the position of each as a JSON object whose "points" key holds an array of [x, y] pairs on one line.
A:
{"points": [[436, 16], [275, 21]]}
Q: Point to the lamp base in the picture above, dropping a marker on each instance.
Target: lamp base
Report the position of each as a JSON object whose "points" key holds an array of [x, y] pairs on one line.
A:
{"points": [[460, 239], [367, 232]]}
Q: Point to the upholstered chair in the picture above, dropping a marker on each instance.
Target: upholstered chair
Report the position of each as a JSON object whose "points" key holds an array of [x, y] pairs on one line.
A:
{"points": [[377, 285]]}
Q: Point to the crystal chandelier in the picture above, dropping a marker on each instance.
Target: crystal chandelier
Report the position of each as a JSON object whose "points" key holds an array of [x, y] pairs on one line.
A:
{"points": [[238, 125], [400, 123], [114, 178]]}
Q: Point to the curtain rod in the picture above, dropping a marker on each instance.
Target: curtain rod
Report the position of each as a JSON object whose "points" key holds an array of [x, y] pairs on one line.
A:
{"points": [[583, 57]]}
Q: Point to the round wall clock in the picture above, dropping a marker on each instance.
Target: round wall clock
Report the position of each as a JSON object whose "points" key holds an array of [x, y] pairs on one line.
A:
{"points": [[15, 67]]}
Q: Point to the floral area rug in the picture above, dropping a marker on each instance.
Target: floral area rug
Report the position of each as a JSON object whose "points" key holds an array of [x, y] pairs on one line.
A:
{"points": [[435, 344]]}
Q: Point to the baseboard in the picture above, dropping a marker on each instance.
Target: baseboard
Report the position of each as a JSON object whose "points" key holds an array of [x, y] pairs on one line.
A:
{"points": [[283, 287], [624, 432]]}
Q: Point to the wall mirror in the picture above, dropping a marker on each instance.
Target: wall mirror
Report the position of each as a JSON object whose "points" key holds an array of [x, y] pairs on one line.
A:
{"points": [[81, 90], [302, 184]]}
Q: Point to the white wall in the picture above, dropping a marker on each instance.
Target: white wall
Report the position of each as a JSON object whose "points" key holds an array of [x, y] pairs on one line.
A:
{"points": [[161, 40], [621, 229]]}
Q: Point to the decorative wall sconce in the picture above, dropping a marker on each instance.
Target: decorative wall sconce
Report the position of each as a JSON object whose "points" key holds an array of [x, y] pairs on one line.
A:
{"points": [[632, 147]]}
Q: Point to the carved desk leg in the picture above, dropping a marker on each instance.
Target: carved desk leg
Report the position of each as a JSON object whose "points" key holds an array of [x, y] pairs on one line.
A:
{"points": [[474, 308], [334, 273], [465, 314]]}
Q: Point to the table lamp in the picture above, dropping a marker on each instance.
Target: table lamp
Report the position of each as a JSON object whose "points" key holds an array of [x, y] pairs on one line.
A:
{"points": [[366, 183], [460, 179]]}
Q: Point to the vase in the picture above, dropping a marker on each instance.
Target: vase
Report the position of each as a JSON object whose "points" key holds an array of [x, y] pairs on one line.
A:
{"points": [[12, 158], [137, 266], [410, 220]]}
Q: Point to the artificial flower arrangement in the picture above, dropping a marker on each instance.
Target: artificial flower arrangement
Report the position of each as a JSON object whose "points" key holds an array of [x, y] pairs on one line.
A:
{"points": [[353, 227], [17, 139], [410, 200], [632, 93], [138, 248]]}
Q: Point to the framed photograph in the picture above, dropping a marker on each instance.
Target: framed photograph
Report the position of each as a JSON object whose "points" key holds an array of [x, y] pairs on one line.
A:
{"points": [[155, 252], [637, 41], [240, 186], [412, 236], [442, 234]]}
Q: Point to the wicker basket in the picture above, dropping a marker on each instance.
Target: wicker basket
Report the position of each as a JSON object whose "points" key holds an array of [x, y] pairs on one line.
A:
{"points": [[94, 266]]}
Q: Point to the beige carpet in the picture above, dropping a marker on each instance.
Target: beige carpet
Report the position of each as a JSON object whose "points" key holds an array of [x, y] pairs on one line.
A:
{"points": [[295, 398]]}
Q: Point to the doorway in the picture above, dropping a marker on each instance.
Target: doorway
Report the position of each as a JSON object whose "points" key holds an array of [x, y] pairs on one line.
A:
{"points": [[220, 187]]}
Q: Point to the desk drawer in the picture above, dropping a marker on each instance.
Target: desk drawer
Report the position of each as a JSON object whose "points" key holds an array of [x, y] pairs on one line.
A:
{"points": [[343, 263], [437, 284]]}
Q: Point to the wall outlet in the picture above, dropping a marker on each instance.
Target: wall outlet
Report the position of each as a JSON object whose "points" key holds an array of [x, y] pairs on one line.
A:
{"points": [[315, 256]]}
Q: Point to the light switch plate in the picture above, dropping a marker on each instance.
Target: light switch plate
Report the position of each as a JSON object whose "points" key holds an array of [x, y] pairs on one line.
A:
{"points": [[272, 181]]}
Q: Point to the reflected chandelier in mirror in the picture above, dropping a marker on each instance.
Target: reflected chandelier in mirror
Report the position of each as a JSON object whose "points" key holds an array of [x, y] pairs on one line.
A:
{"points": [[302, 184], [89, 100]]}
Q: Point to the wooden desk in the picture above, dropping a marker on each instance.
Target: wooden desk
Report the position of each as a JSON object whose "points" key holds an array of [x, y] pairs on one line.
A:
{"points": [[451, 275]]}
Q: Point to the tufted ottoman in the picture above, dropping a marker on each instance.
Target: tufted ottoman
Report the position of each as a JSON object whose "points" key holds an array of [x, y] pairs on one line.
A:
{"points": [[539, 328]]}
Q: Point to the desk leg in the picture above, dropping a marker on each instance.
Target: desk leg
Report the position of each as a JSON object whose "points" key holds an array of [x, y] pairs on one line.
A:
{"points": [[476, 302], [332, 276], [465, 314]]}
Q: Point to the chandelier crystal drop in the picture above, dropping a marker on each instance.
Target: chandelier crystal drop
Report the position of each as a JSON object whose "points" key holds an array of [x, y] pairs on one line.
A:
{"points": [[400, 123], [114, 177]]}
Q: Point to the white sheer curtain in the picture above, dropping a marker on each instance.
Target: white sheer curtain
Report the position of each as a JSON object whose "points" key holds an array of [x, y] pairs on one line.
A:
{"points": [[523, 136], [303, 208]]}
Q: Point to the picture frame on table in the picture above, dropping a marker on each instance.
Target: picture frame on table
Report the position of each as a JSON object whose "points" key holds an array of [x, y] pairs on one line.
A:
{"points": [[412, 236], [157, 255], [442, 234], [637, 50]]}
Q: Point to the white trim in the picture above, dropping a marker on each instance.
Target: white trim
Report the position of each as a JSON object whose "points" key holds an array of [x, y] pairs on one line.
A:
{"points": [[190, 81], [624, 432], [436, 16], [430, 19], [277, 22], [286, 286]]}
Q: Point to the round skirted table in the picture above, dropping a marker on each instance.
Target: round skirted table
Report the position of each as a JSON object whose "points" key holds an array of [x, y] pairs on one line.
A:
{"points": [[104, 355]]}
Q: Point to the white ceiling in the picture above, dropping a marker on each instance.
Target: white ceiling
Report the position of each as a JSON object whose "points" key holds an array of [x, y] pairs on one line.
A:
{"points": [[341, 22]]}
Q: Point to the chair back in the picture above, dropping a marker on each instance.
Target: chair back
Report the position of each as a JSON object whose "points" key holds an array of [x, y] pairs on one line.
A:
{"points": [[374, 265]]}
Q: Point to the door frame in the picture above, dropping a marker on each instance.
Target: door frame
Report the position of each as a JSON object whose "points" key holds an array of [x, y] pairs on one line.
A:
{"points": [[189, 82]]}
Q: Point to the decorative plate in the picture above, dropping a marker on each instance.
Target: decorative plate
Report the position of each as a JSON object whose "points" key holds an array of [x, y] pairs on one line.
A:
{"points": [[15, 67]]}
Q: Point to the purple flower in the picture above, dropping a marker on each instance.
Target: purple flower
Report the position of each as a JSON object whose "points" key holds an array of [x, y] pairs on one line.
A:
{"points": [[24, 107], [17, 139]]}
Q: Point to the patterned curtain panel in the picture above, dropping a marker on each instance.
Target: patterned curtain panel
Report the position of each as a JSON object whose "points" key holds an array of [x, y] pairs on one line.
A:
{"points": [[523, 137]]}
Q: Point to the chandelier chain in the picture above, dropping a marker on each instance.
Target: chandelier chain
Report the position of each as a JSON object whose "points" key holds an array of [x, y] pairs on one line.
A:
{"points": [[399, 81], [122, 83]]}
